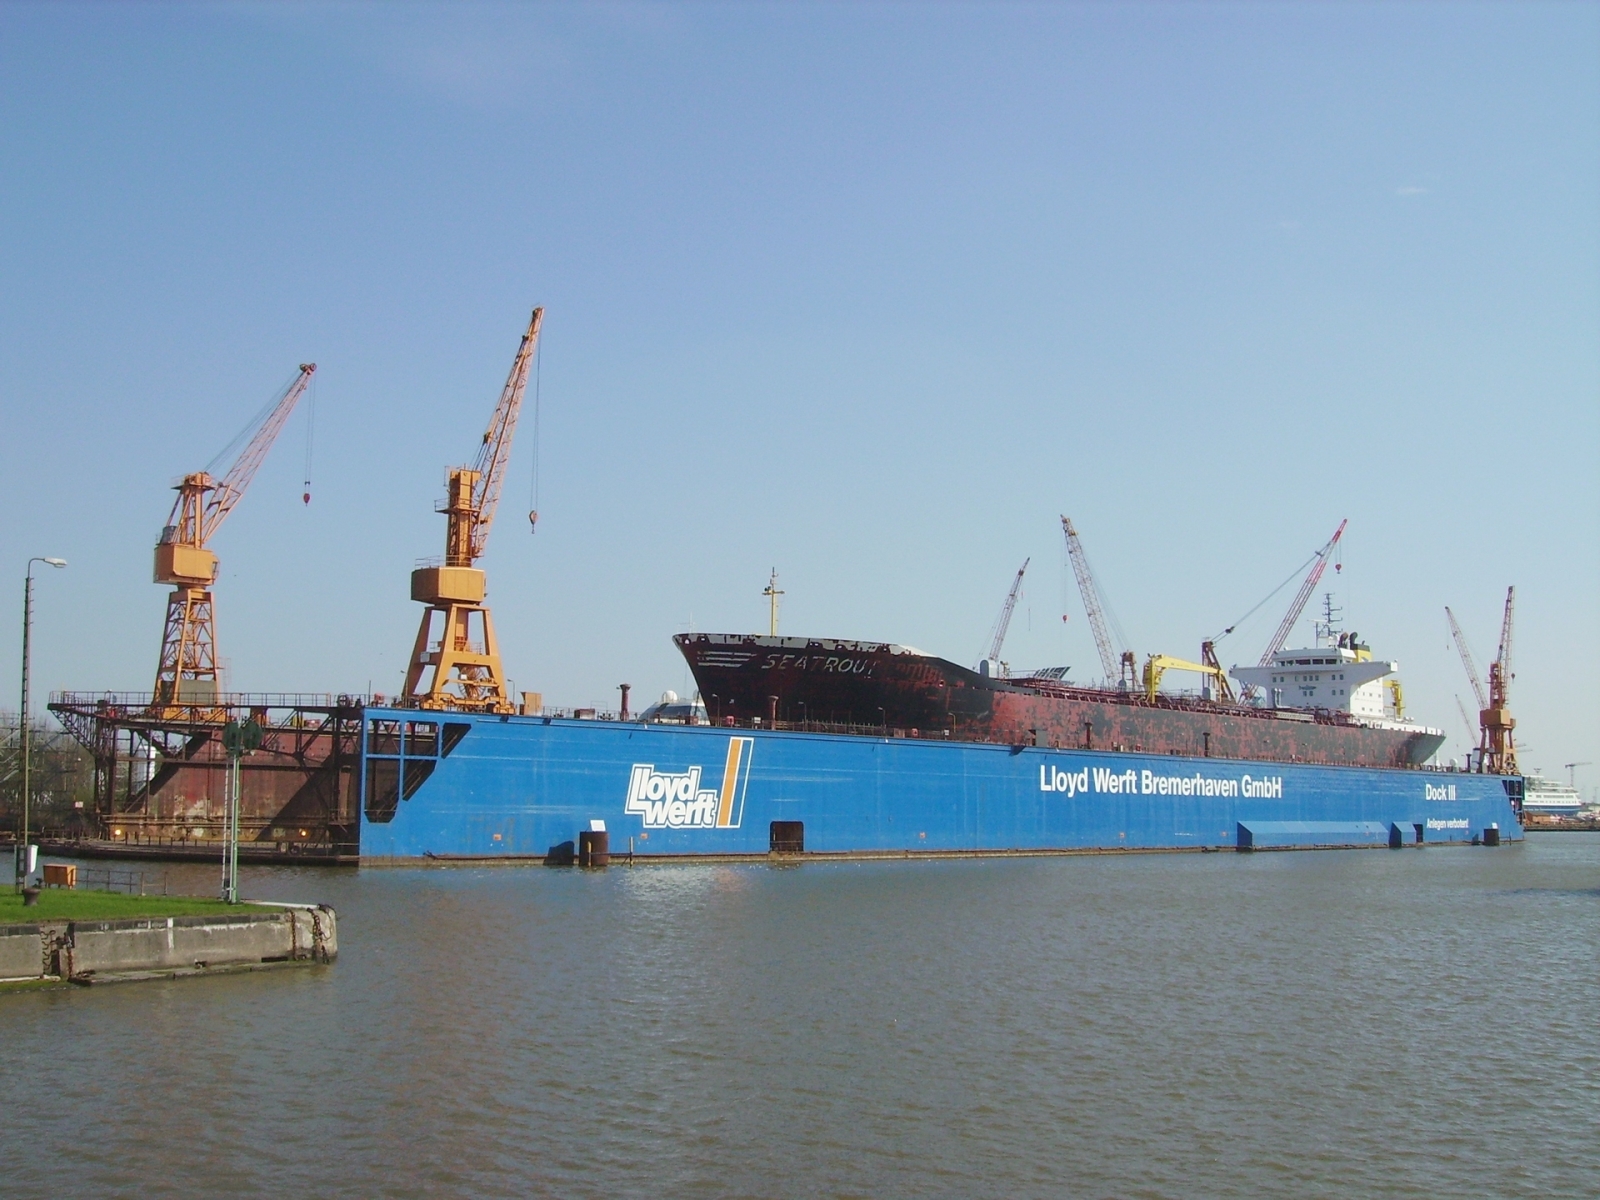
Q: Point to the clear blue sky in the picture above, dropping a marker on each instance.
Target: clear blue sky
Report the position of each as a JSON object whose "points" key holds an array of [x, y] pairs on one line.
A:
{"points": [[869, 293]]}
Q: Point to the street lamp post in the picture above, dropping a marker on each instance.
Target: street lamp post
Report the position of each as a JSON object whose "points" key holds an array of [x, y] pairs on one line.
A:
{"points": [[238, 740], [22, 865]]}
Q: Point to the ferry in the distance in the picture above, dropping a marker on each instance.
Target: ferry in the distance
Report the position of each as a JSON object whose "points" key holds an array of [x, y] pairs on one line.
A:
{"points": [[1550, 797]]}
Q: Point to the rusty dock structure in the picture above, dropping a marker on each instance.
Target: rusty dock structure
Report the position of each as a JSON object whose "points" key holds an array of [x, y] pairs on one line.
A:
{"points": [[160, 775]]}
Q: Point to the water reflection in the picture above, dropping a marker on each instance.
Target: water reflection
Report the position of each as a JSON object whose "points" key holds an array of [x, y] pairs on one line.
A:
{"points": [[1375, 1023]]}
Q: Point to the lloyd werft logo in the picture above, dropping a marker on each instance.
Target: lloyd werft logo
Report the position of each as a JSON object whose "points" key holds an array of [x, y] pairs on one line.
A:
{"points": [[667, 800]]}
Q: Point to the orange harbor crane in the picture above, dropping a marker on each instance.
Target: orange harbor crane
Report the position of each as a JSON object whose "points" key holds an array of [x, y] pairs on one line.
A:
{"points": [[1497, 750], [187, 674], [455, 663]]}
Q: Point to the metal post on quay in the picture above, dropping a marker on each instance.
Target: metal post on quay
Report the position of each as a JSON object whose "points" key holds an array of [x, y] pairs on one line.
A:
{"points": [[26, 855], [238, 739]]}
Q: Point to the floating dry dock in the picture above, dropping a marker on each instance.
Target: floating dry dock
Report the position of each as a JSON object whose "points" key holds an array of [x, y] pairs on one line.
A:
{"points": [[465, 786]]}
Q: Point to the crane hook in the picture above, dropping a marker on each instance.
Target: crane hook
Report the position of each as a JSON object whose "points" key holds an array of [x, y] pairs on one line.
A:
{"points": [[533, 521]]}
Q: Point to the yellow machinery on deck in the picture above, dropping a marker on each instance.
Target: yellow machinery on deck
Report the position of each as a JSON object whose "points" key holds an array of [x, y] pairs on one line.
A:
{"points": [[455, 663], [1158, 664], [186, 676]]}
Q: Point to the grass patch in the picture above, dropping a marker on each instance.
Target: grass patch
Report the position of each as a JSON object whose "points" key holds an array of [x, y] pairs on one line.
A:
{"points": [[69, 904]]}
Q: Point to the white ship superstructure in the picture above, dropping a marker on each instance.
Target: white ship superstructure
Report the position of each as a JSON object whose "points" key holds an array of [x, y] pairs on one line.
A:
{"points": [[1339, 676]]}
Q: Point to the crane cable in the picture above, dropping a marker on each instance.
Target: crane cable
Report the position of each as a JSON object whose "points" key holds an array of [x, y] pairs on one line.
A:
{"points": [[1295, 574], [254, 423], [311, 426], [533, 483]]}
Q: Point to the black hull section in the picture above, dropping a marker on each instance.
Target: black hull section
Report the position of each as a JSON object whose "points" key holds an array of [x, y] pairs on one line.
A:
{"points": [[876, 685]]}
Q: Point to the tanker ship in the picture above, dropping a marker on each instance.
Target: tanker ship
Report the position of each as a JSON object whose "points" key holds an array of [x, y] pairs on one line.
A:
{"points": [[1332, 704]]}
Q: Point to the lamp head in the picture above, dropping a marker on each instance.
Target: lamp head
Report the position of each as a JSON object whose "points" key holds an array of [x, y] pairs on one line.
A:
{"points": [[56, 562]]}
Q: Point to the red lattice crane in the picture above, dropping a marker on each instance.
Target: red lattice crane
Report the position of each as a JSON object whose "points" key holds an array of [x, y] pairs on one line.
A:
{"points": [[187, 673], [1297, 606], [455, 663]]}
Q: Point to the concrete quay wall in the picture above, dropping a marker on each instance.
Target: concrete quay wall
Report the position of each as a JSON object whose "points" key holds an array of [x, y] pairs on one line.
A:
{"points": [[91, 951]]}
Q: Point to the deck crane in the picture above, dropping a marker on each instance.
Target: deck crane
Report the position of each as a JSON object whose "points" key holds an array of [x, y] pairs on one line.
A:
{"points": [[187, 672], [1497, 752], [997, 637], [1118, 663], [1467, 660], [455, 663], [1297, 606]]}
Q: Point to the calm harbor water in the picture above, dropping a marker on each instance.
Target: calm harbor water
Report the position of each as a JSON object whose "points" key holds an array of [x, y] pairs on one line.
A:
{"points": [[1416, 1023]]}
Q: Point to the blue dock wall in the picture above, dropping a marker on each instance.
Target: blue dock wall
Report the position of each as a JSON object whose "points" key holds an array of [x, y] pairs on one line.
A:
{"points": [[515, 786]]}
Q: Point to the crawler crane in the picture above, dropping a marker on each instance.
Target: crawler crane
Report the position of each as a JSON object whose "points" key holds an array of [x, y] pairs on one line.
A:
{"points": [[997, 637], [1116, 661]]}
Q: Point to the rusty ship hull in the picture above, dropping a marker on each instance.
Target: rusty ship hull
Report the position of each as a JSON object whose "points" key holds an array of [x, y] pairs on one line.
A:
{"points": [[822, 682]]}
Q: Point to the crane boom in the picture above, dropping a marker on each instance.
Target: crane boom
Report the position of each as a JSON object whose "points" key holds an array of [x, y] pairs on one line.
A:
{"points": [[232, 487], [997, 638], [1467, 660], [495, 452], [1116, 662], [1504, 656]]}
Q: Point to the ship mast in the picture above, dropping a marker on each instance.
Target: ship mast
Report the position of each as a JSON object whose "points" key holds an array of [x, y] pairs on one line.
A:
{"points": [[772, 593]]}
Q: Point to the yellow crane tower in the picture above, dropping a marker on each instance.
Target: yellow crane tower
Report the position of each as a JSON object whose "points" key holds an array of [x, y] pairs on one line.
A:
{"points": [[455, 663], [187, 673]]}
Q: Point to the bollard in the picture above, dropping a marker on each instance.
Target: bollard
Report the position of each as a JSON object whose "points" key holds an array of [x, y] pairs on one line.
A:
{"points": [[30, 896], [594, 848], [560, 855]]}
